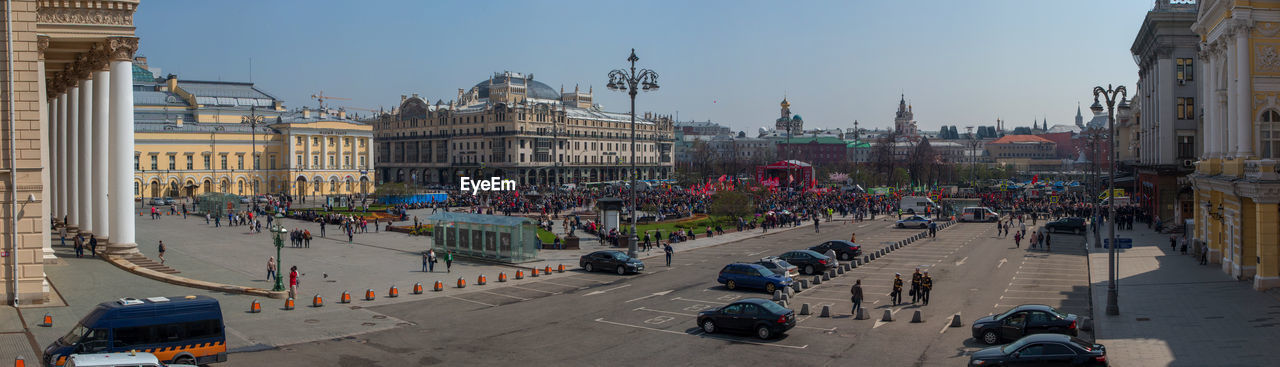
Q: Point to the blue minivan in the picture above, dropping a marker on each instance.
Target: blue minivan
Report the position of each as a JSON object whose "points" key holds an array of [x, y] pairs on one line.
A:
{"points": [[185, 330], [752, 276]]}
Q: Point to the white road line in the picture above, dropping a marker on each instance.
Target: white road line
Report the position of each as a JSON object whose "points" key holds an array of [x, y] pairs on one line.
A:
{"points": [[606, 290], [505, 295], [562, 285], [1002, 261], [817, 328], [661, 311], [695, 300], [662, 293], [1032, 291], [961, 262], [476, 302], [535, 290], [757, 253], [882, 322], [946, 323], [798, 296], [639, 327]]}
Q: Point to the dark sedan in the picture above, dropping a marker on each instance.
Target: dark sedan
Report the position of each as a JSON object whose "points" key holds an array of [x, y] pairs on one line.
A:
{"points": [[1070, 225], [1043, 350], [1022, 321], [766, 319], [845, 250], [608, 260], [808, 261]]}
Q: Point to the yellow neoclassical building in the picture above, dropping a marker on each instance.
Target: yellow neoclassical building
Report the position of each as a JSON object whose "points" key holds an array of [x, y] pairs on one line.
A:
{"points": [[196, 137], [1237, 185]]}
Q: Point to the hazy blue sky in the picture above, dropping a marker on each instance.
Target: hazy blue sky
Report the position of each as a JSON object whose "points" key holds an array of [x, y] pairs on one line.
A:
{"points": [[961, 62]]}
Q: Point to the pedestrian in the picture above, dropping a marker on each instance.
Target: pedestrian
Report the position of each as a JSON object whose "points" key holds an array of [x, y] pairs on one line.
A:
{"points": [[933, 229], [647, 245], [668, 251], [271, 268], [321, 228], [62, 232], [93, 245], [896, 294], [857, 296], [915, 286], [207, 218], [161, 249], [1048, 247], [426, 261], [853, 237], [306, 238], [79, 245], [1183, 245], [351, 235], [293, 281], [815, 224], [1017, 240], [431, 260], [926, 285], [1204, 254], [448, 261], [1173, 242]]}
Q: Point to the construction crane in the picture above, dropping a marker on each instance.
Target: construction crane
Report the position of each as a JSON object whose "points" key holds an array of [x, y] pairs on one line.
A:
{"points": [[321, 97]]}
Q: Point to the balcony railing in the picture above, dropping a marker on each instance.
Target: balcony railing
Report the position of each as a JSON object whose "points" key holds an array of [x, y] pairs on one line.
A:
{"points": [[1265, 169]]}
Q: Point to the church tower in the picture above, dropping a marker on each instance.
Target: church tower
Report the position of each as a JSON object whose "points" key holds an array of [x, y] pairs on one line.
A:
{"points": [[786, 122], [904, 121], [1079, 117]]}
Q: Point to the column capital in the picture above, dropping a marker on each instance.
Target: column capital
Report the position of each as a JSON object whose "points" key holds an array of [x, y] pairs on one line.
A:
{"points": [[83, 67], [122, 48], [42, 43], [99, 57]]}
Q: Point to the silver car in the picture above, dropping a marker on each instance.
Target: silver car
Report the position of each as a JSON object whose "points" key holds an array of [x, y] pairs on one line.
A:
{"points": [[777, 265]]}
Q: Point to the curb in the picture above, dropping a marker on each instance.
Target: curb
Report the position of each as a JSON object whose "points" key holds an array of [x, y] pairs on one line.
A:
{"points": [[126, 265]]}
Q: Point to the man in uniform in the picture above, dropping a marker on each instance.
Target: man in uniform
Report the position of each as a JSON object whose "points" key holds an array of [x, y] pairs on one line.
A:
{"points": [[915, 286], [926, 284], [896, 295]]}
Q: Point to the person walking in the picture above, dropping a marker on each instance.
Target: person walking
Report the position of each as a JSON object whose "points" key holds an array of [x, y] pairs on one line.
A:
{"points": [[926, 285], [668, 251], [79, 245], [293, 281], [856, 290], [815, 224], [306, 238], [351, 236], [1017, 240], [62, 233], [271, 268], [93, 245], [896, 294], [321, 228], [431, 261], [448, 261], [647, 245], [853, 237], [915, 286], [1048, 247], [933, 229], [161, 249], [426, 261]]}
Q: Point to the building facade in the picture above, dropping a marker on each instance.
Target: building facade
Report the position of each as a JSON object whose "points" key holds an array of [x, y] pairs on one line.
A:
{"points": [[1026, 153], [515, 127], [904, 123], [69, 112], [1166, 50], [814, 150], [196, 137], [1237, 186]]}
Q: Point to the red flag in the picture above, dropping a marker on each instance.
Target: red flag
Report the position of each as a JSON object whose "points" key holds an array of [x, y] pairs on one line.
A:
{"points": [[722, 178], [791, 178], [1034, 179]]}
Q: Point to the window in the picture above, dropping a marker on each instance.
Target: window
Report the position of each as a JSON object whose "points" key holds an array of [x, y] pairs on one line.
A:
{"points": [[299, 160], [224, 161], [298, 141], [315, 161], [1057, 350], [239, 161], [346, 161], [331, 161], [1186, 147], [207, 164], [155, 160], [1269, 131], [362, 162], [173, 162], [271, 162], [1186, 70], [191, 161]]}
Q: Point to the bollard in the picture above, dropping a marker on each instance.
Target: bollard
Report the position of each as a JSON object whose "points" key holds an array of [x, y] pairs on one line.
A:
{"points": [[777, 295], [560, 269], [47, 321], [862, 314], [439, 286], [393, 292], [547, 270], [533, 273], [782, 303], [786, 297], [316, 301], [840, 270], [288, 304], [955, 320], [826, 276], [916, 318], [345, 297], [866, 259], [854, 264], [795, 288], [826, 311], [804, 283], [368, 295], [482, 280], [804, 308], [888, 316], [817, 279], [502, 277], [462, 283], [417, 288], [519, 274], [789, 292], [254, 307]]}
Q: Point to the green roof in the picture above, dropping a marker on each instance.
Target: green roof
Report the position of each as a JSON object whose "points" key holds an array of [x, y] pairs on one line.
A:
{"points": [[858, 144], [812, 139], [142, 75]]}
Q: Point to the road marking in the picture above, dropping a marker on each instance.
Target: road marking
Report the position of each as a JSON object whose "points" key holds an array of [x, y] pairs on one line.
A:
{"points": [[606, 290], [535, 290], [662, 293], [701, 334], [817, 328], [639, 327], [661, 311], [562, 284], [820, 299], [695, 300], [757, 253], [882, 322], [1035, 291], [1002, 261], [477, 302], [946, 324], [505, 295]]}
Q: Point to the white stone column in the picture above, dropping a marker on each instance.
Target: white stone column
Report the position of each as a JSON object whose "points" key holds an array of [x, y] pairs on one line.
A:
{"points": [[46, 128], [101, 121], [73, 157], [1165, 139], [1233, 102], [1221, 120], [1209, 100], [324, 153], [120, 190], [84, 163], [61, 141], [1244, 117], [339, 154]]}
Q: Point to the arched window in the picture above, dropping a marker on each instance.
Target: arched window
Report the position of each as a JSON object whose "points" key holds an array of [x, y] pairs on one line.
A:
{"points": [[1269, 133]]}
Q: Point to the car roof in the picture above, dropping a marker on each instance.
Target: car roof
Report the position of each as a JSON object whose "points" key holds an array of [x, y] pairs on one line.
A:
{"points": [[749, 265], [607, 252], [1048, 337], [810, 252], [112, 359], [753, 301], [1033, 308]]}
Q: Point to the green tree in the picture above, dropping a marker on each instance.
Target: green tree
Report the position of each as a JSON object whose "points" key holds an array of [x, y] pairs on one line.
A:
{"points": [[731, 204], [395, 189], [901, 177]]}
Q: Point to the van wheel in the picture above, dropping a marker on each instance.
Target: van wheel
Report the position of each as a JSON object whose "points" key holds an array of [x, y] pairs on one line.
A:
{"points": [[184, 360]]}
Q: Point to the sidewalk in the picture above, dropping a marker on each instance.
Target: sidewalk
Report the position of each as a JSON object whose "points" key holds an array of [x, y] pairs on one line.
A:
{"points": [[1175, 312], [15, 341]]}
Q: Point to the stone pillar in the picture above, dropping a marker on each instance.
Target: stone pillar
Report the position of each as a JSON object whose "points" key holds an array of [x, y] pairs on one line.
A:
{"points": [[1232, 102], [306, 159], [1248, 261], [1268, 243], [61, 142], [1244, 96], [324, 152], [1210, 148], [46, 128], [1164, 137], [84, 162], [120, 190], [101, 121], [73, 155], [338, 161]]}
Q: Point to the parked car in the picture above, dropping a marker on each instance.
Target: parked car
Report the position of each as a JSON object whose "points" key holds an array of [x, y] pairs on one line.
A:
{"points": [[606, 260], [1043, 350], [245, 200], [765, 318], [130, 359], [264, 199], [845, 250], [170, 201], [808, 261], [1024, 320], [743, 275], [157, 201], [778, 265], [914, 221], [979, 214], [1069, 224]]}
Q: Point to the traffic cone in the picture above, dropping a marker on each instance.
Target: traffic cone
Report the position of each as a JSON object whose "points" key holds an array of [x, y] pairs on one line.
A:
{"points": [[482, 280], [519, 274], [48, 320], [547, 270], [317, 301], [534, 272], [393, 292], [417, 288], [502, 277], [19, 362], [368, 295], [345, 298], [439, 286], [560, 269], [288, 304], [255, 307], [462, 283]]}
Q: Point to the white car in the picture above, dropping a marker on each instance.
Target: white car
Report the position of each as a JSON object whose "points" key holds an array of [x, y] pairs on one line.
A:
{"points": [[129, 359], [914, 221]]}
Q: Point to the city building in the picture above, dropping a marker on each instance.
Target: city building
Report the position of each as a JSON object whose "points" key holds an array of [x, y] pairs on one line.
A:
{"points": [[1237, 186], [1165, 50], [1026, 153], [512, 126], [904, 123], [195, 137], [813, 150], [70, 134], [706, 128]]}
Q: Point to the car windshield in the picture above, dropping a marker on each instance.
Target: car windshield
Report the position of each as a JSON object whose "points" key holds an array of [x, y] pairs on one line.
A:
{"points": [[773, 307], [1006, 314], [621, 256], [1012, 347], [765, 271], [75, 335], [1055, 312]]}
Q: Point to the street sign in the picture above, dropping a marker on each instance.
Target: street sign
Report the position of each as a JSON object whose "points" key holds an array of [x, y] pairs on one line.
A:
{"points": [[1117, 192], [1123, 243], [1053, 200]]}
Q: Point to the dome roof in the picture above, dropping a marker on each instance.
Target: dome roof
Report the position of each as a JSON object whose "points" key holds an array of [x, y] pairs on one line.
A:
{"points": [[796, 117], [535, 89]]}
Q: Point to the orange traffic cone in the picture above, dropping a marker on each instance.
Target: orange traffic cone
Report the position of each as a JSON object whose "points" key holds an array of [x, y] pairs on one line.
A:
{"points": [[519, 274], [534, 272], [19, 362], [462, 283], [560, 269], [502, 277], [317, 301], [439, 286], [547, 270], [482, 280], [48, 320], [345, 298], [393, 292], [368, 295], [255, 307], [417, 288], [288, 304]]}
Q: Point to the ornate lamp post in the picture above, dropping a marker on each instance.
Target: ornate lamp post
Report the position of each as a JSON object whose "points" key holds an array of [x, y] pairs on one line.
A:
{"points": [[278, 231], [253, 120], [626, 81], [1110, 95]]}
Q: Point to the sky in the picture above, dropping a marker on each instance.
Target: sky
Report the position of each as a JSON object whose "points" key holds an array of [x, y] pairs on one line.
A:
{"points": [[731, 62]]}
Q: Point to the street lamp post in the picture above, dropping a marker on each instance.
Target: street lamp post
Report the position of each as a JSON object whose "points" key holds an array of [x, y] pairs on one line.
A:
{"points": [[624, 80], [973, 162], [278, 231], [253, 120], [1110, 95]]}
